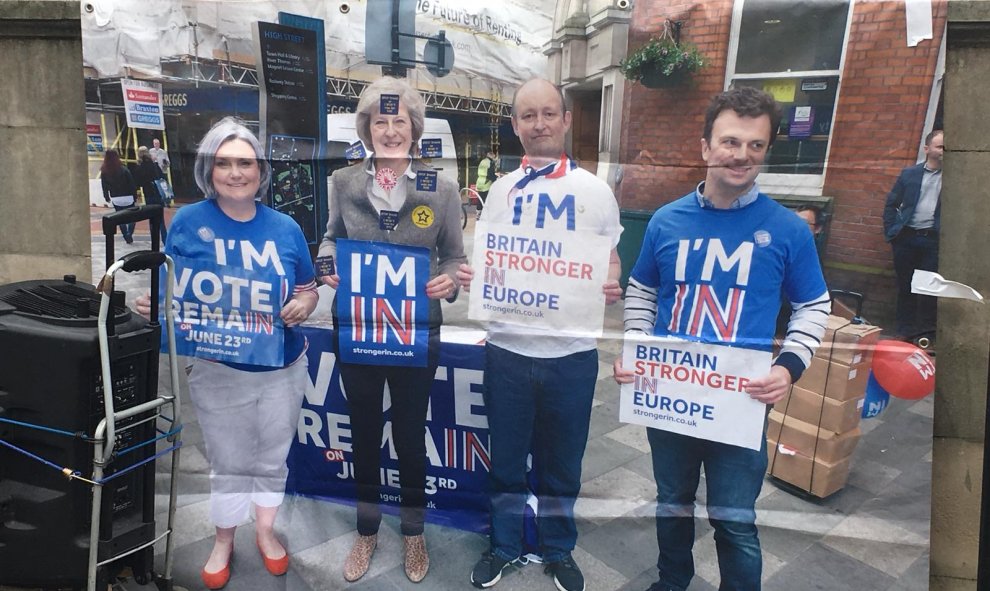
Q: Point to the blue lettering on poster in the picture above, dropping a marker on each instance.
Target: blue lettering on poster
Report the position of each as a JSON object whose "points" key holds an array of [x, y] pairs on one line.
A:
{"points": [[382, 306], [226, 313]]}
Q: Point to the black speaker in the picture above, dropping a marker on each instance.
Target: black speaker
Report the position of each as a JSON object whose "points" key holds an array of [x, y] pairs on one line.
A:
{"points": [[50, 377]]}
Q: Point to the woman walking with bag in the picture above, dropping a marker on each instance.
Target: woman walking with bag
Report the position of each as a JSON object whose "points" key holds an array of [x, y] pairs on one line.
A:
{"points": [[118, 188]]}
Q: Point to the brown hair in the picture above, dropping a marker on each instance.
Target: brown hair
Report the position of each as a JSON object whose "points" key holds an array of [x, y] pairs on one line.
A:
{"points": [[746, 101]]}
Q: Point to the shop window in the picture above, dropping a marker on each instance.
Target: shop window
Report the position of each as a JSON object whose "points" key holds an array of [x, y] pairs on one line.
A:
{"points": [[793, 49]]}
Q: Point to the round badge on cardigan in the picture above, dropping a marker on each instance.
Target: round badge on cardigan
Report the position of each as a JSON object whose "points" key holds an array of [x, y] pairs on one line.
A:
{"points": [[423, 216], [386, 179]]}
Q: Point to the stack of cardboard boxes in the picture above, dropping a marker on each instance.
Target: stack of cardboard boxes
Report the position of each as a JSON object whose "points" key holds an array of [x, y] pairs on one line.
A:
{"points": [[814, 430]]}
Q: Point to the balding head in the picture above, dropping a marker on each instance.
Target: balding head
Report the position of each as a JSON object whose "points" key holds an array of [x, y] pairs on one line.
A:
{"points": [[540, 118]]}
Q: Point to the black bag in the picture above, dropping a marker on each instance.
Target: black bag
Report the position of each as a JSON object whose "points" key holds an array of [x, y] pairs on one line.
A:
{"points": [[491, 171]]}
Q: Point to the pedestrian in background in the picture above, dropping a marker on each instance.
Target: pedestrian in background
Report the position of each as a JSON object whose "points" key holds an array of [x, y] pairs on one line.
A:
{"points": [[118, 188]]}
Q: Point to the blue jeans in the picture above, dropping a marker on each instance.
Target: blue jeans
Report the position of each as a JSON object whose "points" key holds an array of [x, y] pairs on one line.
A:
{"points": [[734, 476], [543, 405], [126, 230]]}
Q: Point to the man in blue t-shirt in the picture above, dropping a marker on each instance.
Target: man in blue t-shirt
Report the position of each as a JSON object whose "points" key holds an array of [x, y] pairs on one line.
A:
{"points": [[713, 266]]}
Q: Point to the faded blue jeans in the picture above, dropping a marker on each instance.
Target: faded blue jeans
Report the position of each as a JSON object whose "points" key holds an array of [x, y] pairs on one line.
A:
{"points": [[543, 405], [734, 477]]}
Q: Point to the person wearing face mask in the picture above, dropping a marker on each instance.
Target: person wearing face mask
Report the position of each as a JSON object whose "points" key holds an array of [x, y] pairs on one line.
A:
{"points": [[379, 201], [248, 413]]}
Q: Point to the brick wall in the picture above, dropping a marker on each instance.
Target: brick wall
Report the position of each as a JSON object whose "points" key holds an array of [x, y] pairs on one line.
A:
{"points": [[661, 133], [883, 99]]}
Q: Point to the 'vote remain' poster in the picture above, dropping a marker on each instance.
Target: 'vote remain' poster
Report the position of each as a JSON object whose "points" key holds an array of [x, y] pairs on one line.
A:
{"points": [[226, 313]]}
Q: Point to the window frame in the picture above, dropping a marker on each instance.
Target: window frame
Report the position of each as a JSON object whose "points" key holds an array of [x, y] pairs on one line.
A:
{"points": [[792, 184]]}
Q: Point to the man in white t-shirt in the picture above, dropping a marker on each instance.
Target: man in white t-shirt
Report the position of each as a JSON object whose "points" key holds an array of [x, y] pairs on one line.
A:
{"points": [[159, 155], [539, 386]]}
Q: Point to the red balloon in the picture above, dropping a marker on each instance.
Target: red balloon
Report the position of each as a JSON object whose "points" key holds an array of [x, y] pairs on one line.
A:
{"points": [[903, 370]]}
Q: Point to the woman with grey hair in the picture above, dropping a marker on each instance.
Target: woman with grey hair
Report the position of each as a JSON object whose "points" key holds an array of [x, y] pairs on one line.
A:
{"points": [[383, 200], [248, 413]]}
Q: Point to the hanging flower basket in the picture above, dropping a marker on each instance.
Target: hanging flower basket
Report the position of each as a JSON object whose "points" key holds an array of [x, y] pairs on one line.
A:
{"points": [[655, 78], [662, 62]]}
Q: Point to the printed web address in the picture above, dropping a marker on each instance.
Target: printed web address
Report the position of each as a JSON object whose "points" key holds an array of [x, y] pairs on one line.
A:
{"points": [[662, 417], [377, 352], [516, 311]]}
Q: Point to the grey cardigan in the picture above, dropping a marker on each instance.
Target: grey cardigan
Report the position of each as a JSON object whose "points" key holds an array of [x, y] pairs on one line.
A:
{"points": [[352, 216]]}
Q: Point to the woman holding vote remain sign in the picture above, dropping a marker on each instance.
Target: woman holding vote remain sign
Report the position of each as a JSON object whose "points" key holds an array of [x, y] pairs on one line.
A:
{"points": [[248, 412], [394, 199]]}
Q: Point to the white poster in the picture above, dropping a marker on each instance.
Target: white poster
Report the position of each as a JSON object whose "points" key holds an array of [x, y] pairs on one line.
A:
{"points": [[550, 279], [694, 389], [143, 104]]}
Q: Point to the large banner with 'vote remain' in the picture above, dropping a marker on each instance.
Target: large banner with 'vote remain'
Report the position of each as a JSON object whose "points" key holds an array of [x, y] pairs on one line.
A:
{"points": [[226, 313], [458, 456], [382, 308]]}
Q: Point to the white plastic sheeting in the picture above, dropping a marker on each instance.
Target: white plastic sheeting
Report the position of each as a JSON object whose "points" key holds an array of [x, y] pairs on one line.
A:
{"points": [[497, 42]]}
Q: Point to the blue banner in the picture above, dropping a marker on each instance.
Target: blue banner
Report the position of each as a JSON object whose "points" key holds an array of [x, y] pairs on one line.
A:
{"points": [[457, 443], [382, 306], [226, 313]]}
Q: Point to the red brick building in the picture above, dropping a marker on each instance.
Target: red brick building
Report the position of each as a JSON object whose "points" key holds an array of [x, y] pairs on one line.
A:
{"points": [[873, 96]]}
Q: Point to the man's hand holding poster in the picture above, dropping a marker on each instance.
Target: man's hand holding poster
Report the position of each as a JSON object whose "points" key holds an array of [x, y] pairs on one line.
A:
{"points": [[694, 388], [548, 278], [382, 307], [226, 313]]}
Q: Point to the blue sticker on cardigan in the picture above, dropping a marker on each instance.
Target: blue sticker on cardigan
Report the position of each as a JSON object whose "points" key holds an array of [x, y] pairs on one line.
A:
{"points": [[426, 180]]}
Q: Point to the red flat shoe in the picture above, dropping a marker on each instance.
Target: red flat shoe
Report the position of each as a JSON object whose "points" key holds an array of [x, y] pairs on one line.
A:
{"points": [[218, 579], [276, 566]]}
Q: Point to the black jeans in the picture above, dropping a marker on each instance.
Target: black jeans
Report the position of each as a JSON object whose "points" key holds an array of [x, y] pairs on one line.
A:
{"points": [[409, 389], [914, 249]]}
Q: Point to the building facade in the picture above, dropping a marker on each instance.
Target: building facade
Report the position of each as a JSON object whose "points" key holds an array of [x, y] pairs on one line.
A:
{"points": [[858, 99]]}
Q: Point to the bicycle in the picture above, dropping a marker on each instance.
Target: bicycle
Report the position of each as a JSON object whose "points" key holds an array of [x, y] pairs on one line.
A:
{"points": [[469, 197]]}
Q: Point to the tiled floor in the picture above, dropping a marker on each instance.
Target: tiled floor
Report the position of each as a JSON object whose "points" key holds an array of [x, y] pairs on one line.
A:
{"points": [[873, 535]]}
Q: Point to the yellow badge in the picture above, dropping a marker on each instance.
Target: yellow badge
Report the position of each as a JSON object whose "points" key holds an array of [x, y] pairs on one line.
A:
{"points": [[423, 216]]}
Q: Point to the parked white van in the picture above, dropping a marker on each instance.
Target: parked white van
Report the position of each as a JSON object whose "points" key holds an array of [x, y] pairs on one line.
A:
{"points": [[341, 132]]}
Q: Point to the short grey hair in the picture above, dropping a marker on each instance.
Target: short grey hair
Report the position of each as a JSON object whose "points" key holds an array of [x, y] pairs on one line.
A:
{"points": [[228, 128], [370, 101]]}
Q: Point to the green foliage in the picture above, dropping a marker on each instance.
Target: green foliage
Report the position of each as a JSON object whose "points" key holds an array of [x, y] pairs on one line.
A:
{"points": [[663, 56]]}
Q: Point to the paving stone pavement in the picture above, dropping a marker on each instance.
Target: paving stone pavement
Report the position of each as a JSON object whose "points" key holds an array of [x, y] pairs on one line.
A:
{"points": [[873, 534]]}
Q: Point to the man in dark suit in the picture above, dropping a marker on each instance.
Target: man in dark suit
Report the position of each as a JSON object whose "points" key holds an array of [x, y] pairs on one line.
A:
{"points": [[911, 225]]}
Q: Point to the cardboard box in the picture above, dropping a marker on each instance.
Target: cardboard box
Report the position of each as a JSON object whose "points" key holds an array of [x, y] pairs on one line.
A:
{"points": [[836, 380], [818, 477], [827, 413], [811, 440], [846, 343]]}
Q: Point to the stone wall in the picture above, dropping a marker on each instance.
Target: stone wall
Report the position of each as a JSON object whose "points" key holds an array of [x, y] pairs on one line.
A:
{"points": [[44, 194]]}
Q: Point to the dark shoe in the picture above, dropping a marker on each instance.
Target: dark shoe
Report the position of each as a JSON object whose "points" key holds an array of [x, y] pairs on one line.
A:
{"points": [[128, 240], [566, 574], [488, 570]]}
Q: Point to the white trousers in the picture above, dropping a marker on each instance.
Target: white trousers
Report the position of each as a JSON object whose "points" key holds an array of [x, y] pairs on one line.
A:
{"points": [[248, 420]]}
